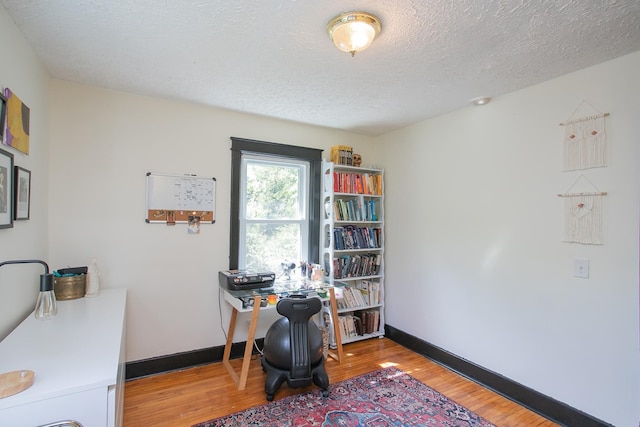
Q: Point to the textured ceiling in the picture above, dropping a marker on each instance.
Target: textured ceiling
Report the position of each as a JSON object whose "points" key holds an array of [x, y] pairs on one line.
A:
{"points": [[274, 58]]}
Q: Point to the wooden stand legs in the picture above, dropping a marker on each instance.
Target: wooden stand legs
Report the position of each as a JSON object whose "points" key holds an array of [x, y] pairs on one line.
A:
{"points": [[337, 355], [241, 381]]}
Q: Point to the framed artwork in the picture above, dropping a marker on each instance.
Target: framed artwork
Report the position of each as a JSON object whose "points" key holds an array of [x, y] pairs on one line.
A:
{"points": [[6, 189], [3, 115], [22, 194], [16, 134]]}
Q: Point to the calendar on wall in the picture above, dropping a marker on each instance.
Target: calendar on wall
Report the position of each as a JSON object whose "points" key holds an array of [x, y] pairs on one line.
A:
{"points": [[174, 198]]}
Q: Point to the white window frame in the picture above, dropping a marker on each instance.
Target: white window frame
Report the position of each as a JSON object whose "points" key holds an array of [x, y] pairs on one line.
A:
{"points": [[302, 219]]}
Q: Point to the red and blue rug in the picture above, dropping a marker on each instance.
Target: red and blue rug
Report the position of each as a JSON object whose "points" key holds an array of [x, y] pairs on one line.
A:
{"points": [[388, 397]]}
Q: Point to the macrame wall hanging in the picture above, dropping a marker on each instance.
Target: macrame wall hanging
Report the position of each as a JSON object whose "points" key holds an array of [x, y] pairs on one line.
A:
{"points": [[583, 214], [585, 138]]}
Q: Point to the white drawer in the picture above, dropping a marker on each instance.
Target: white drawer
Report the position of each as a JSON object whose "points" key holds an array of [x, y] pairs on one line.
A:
{"points": [[89, 408]]}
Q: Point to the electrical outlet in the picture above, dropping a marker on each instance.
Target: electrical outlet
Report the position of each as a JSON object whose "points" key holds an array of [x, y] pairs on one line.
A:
{"points": [[581, 268]]}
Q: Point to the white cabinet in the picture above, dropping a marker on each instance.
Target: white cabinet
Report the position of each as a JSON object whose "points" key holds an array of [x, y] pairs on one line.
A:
{"points": [[352, 247], [78, 360]]}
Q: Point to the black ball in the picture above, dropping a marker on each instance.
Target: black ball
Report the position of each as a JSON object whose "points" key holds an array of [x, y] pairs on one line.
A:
{"points": [[277, 345]]}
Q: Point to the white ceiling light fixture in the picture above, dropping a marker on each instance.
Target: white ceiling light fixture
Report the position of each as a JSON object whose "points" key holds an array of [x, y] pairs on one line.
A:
{"points": [[353, 31], [483, 100]]}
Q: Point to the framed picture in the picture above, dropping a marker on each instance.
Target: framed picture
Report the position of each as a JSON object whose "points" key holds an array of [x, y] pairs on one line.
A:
{"points": [[6, 189], [16, 134], [3, 115], [22, 193]]}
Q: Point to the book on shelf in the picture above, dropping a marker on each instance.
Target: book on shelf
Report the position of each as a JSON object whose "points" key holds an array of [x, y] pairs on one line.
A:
{"points": [[363, 287], [372, 214], [350, 326], [327, 322], [356, 265], [342, 154], [358, 295], [357, 183], [375, 293], [354, 297], [359, 323], [370, 320], [349, 297], [355, 210], [353, 237], [370, 291]]}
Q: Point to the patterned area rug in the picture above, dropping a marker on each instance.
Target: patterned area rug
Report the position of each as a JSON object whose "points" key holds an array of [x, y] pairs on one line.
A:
{"points": [[388, 397]]}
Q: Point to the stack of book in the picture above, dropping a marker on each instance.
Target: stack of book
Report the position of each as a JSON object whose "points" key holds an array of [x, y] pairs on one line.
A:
{"points": [[360, 323], [356, 265], [352, 237], [370, 291], [355, 210], [369, 320], [351, 298], [342, 155], [357, 183]]}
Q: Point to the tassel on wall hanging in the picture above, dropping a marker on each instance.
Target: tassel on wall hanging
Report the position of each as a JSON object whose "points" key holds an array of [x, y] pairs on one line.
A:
{"points": [[585, 138], [583, 215]]}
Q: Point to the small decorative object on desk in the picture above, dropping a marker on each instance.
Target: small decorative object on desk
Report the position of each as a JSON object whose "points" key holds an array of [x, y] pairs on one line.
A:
{"points": [[287, 268], [70, 283], [14, 382], [303, 268], [93, 282], [317, 272]]}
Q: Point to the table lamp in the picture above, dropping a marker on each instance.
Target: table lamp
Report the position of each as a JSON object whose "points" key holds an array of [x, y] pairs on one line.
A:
{"points": [[46, 307]]}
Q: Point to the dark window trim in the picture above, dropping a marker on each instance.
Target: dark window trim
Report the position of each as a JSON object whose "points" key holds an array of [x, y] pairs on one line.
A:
{"points": [[313, 155]]}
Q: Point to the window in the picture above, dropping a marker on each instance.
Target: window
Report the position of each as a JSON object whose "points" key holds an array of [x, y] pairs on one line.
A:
{"points": [[274, 224], [275, 197]]}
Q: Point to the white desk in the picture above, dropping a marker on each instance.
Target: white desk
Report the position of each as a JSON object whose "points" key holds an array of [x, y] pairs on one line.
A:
{"points": [[78, 360], [236, 304]]}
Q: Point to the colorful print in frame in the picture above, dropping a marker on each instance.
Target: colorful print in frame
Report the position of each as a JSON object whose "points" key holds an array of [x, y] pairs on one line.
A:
{"points": [[16, 133]]}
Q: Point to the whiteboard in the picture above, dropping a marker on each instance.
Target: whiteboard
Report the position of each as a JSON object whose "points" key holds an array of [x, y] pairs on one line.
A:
{"points": [[174, 197]]}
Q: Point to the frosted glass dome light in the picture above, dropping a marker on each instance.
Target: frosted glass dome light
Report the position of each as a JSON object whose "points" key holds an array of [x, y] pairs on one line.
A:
{"points": [[353, 31]]}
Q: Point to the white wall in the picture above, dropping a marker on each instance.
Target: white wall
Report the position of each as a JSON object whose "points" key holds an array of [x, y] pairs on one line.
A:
{"points": [[474, 258], [102, 145], [23, 73]]}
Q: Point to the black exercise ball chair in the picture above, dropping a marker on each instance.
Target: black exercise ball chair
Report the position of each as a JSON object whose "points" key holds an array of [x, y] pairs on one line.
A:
{"points": [[293, 347]]}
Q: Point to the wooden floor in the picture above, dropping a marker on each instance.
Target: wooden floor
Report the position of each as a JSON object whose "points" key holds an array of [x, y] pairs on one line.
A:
{"points": [[198, 394]]}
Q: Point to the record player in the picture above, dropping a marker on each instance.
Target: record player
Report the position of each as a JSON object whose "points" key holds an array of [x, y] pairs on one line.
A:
{"points": [[240, 280]]}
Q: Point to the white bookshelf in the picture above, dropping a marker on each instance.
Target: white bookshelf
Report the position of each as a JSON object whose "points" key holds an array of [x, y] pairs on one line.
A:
{"points": [[352, 247]]}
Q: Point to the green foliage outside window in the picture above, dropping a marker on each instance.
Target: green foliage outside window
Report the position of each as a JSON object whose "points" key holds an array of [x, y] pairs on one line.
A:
{"points": [[272, 202], [272, 192]]}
